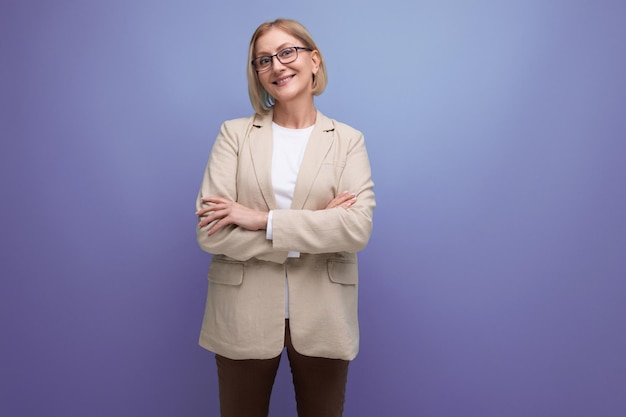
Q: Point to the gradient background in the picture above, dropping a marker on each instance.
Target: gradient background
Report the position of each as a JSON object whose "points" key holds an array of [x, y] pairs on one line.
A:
{"points": [[494, 283]]}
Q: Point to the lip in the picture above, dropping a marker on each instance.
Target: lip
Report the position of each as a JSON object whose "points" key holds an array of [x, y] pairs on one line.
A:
{"points": [[283, 80]]}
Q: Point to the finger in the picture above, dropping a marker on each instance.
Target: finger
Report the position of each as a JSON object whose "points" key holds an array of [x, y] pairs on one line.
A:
{"points": [[215, 200], [342, 196], [205, 221], [341, 199], [213, 229], [219, 225], [212, 208], [349, 203], [214, 213], [203, 211]]}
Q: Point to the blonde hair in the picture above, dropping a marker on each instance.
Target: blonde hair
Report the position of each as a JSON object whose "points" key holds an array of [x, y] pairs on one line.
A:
{"points": [[261, 101]]}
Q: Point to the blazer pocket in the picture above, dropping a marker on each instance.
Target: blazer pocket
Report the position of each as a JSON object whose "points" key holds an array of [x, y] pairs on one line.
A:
{"points": [[343, 271], [226, 272]]}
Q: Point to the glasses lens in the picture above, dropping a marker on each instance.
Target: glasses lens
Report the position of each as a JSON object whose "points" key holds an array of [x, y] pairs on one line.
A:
{"points": [[262, 63], [287, 55]]}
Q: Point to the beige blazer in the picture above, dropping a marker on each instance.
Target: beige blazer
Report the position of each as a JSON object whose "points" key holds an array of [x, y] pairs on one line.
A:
{"points": [[245, 309]]}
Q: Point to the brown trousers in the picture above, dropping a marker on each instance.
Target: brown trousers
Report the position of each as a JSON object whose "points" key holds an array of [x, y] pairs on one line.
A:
{"points": [[246, 385]]}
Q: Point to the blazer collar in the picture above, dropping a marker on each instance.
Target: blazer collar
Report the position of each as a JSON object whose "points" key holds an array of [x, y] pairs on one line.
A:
{"points": [[316, 150]]}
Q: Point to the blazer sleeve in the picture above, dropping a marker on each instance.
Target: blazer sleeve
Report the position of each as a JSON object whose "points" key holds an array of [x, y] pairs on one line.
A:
{"points": [[220, 180], [338, 229]]}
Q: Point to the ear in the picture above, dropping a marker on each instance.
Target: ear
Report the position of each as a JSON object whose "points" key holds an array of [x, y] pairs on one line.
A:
{"points": [[316, 59]]}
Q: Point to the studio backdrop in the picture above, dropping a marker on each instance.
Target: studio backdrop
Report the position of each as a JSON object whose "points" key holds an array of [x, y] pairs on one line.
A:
{"points": [[495, 279]]}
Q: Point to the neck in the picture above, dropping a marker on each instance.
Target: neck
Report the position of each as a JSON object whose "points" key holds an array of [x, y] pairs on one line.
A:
{"points": [[295, 116]]}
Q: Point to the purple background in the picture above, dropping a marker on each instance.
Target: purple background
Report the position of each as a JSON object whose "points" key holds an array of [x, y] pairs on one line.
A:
{"points": [[494, 283]]}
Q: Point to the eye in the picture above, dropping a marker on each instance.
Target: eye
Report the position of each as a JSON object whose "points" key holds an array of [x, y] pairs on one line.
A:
{"points": [[264, 60], [286, 53]]}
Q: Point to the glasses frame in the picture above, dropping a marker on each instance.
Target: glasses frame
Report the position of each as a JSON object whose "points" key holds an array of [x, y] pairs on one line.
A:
{"points": [[271, 57]]}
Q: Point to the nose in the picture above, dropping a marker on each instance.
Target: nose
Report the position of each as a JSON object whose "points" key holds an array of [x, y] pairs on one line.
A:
{"points": [[276, 64]]}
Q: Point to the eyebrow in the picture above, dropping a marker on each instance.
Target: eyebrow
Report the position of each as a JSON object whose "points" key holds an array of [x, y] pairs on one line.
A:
{"points": [[280, 48]]}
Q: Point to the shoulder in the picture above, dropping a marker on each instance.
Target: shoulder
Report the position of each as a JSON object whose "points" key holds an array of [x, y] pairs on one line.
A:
{"points": [[237, 129], [238, 123], [345, 129], [244, 124], [342, 129]]}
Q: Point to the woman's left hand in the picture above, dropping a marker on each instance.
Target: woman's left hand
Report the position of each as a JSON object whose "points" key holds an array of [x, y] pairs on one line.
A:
{"points": [[344, 200], [229, 212]]}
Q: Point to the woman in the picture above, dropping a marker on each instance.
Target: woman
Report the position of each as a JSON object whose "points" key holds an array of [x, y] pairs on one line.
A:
{"points": [[285, 203]]}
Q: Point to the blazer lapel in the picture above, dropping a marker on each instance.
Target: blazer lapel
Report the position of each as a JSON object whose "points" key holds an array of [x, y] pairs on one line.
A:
{"points": [[261, 153], [318, 146]]}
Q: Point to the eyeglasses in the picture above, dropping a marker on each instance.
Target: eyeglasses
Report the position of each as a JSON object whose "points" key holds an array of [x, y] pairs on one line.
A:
{"points": [[284, 56]]}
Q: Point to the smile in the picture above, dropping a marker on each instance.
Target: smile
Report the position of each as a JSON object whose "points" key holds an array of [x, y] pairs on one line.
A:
{"points": [[283, 81]]}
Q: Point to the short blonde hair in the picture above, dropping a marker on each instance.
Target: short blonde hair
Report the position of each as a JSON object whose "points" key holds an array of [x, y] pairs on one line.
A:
{"points": [[261, 101]]}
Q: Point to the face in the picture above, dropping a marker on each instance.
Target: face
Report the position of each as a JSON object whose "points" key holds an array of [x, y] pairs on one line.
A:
{"points": [[286, 82]]}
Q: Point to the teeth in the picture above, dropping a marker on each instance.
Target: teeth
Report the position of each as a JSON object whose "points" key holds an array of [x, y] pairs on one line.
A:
{"points": [[283, 81]]}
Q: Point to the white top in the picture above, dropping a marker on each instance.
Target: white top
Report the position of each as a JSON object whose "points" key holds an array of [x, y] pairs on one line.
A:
{"points": [[287, 154]]}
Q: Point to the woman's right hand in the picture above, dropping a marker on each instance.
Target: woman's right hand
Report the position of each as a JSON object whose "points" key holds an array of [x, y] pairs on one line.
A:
{"points": [[344, 200]]}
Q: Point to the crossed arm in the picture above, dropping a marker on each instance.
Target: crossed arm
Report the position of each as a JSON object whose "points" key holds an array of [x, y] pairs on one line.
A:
{"points": [[225, 212]]}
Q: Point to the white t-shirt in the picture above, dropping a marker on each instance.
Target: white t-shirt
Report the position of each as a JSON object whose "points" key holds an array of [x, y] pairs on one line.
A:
{"points": [[287, 154]]}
